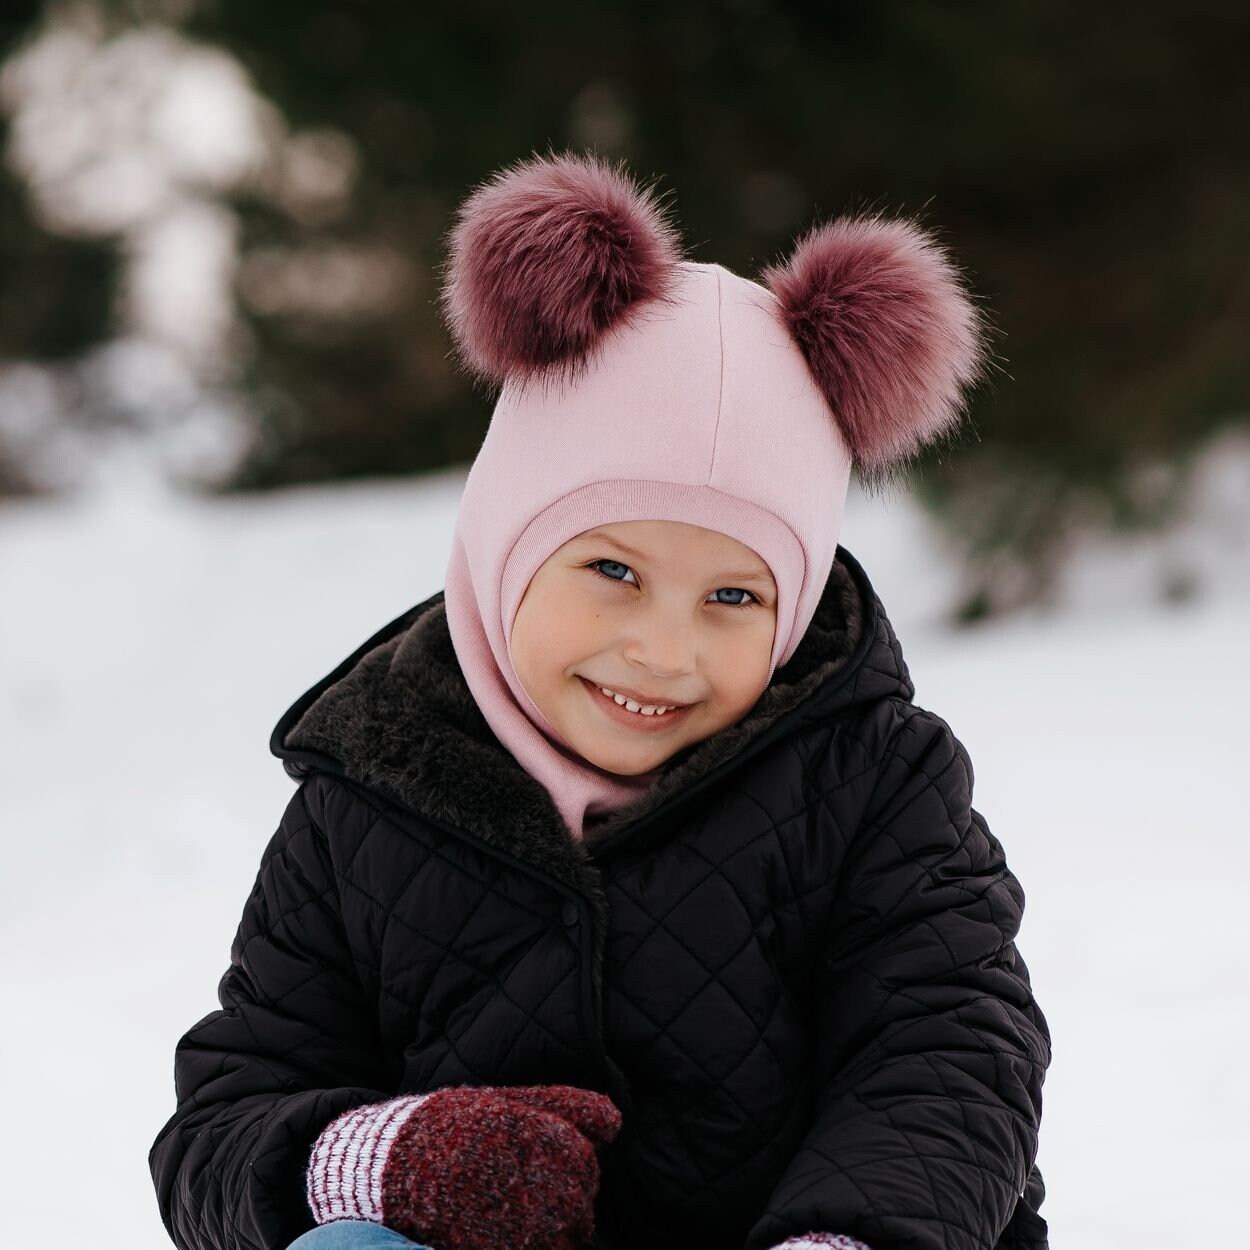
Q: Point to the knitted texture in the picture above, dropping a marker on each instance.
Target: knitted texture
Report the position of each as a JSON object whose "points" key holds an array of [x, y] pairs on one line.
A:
{"points": [[348, 1159], [479, 1168], [821, 1241]]}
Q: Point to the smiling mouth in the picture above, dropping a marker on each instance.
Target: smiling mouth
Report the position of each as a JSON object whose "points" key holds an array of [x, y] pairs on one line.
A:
{"points": [[629, 711]]}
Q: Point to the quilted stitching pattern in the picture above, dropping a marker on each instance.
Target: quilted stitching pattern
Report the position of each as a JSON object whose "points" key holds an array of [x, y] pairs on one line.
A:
{"points": [[932, 1048], [811, 1006]]}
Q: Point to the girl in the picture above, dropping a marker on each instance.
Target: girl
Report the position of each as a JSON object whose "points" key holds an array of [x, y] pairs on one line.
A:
{"points": [[627, 899]]}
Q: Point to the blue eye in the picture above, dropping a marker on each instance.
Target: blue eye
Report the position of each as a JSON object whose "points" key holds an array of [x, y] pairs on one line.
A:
{"points": [[613, 563], [748, 602]]}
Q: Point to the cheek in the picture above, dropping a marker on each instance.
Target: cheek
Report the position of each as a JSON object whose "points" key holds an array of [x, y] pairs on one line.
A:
{"points": [[742, 665], [547, 640]]}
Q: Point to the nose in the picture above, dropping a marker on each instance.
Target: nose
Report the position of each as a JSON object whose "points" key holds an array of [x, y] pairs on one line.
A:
{"points": [[662, 643]]}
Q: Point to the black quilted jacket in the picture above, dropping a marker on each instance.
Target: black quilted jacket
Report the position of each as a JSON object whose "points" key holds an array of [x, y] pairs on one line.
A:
{"points": [[791, 964]]}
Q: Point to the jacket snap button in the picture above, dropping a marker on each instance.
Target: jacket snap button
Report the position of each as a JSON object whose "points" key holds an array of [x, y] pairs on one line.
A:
{"points": [[568, 913]]}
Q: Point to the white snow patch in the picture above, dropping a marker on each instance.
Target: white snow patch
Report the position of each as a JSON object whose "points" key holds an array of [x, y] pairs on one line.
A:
{"points": [[149, 642]]}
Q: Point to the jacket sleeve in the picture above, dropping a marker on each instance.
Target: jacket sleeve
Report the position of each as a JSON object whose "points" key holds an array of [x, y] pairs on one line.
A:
{"points": [[931, 1050], [293, 1045]]}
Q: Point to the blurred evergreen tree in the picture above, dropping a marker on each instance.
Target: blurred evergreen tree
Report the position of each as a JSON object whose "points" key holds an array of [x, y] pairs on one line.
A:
{"points": [[55, 297], [55, 293]]}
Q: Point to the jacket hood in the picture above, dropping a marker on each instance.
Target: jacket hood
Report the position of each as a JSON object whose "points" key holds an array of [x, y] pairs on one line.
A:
{"points": [[397, 717]]}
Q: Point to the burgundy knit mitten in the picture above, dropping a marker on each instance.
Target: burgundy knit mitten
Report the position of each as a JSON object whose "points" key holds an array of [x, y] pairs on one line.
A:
{"points": [[469, 1167], [822, 1241]]}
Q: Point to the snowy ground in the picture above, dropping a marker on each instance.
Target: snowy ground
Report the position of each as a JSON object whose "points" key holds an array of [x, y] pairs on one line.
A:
{"points": [[148, 646]]}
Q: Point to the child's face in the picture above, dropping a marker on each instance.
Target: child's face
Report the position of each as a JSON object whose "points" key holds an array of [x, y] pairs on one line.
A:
{"points": [[673, 612]]}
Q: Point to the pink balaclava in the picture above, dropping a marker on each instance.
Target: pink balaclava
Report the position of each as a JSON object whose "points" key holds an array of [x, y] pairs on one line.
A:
{"points": [[640, 386]]}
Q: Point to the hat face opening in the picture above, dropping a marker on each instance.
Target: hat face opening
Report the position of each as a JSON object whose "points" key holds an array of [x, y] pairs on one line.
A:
{"points": [[676, 621]]}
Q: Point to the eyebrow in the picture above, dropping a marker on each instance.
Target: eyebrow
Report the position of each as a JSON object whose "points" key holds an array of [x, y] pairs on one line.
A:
{"points": [[743, 575]]}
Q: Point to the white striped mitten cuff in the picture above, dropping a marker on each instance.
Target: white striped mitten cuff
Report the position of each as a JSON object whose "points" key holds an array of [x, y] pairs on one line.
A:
{"points": [[348, 1159], [822, 1241]]}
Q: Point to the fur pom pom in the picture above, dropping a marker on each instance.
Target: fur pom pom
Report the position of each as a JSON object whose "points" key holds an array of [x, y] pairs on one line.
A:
{"points": [[544, 258], [888, 332]]}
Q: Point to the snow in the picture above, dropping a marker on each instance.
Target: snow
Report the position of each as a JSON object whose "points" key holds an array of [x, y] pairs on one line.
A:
{"points": [[149, 642]]}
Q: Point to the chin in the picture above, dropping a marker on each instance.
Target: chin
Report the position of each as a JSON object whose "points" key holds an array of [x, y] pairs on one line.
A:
{"points": [[635, 770], [621, 766]]}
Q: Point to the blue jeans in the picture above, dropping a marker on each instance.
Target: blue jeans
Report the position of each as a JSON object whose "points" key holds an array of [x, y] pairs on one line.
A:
{"points": [[353, 1235]]}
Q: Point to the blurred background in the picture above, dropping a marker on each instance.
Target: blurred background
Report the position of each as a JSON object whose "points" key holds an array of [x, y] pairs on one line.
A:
{"points": [[232, 442]]}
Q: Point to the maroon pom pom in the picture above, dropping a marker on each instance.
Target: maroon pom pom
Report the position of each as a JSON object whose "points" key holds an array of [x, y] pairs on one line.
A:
{"points": [[545, 257], [888, 332]]}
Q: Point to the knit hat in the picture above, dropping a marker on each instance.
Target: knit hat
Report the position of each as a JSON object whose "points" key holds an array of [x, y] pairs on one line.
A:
{"points": [[637, 385]]}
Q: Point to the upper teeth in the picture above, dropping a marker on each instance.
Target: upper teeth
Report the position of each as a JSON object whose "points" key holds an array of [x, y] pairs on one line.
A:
{"points": [[646, 710]]}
